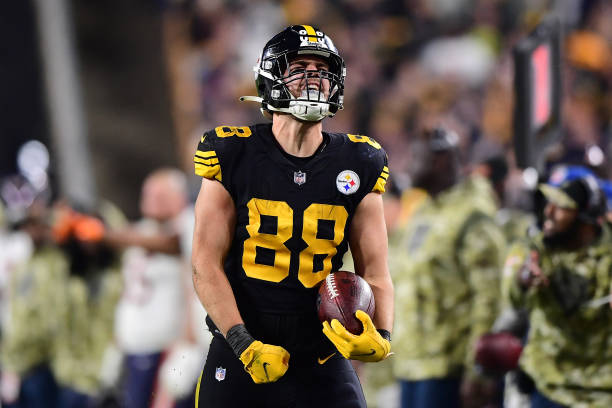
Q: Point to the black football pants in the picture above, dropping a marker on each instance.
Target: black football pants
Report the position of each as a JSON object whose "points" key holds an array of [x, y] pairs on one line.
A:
{"points": [[225, 383]]}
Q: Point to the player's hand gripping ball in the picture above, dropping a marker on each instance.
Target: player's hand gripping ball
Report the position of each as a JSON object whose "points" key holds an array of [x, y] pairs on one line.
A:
{"points": [[340, 296], [344, 299]]}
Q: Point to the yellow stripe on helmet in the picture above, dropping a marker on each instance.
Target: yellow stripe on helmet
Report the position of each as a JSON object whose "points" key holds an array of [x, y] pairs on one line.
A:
{"points": [[312, 35]]}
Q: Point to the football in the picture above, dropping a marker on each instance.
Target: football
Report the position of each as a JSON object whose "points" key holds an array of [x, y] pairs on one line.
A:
{"points": [[341, 294], [498, 353]]}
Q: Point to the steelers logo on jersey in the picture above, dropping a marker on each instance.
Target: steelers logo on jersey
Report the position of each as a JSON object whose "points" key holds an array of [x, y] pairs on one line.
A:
{"points": [[347, 182]]}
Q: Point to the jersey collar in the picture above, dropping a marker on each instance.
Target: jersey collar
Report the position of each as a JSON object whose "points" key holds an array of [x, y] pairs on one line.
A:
{"points": [[276, 153]]}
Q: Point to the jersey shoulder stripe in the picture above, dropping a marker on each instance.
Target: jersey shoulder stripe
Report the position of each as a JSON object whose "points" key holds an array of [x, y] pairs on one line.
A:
{"points": [[379, 187], [207, 164]]}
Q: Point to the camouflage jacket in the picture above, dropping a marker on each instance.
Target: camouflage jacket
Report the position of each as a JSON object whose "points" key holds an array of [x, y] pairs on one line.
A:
{"points": [[446, 269], [515, 224], [85, 328], [569, 347], [34, 297]]}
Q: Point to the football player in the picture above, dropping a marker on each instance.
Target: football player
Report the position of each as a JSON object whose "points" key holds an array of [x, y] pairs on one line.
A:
{"points": [[278, 207]]}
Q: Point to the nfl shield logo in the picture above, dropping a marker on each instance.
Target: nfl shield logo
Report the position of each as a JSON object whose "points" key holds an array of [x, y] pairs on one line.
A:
{"points": [[220, 374], [299, 177]]}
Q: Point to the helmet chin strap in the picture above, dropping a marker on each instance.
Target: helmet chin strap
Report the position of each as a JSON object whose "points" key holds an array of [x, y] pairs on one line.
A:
{"points": [[251, 99], [304, 110]]}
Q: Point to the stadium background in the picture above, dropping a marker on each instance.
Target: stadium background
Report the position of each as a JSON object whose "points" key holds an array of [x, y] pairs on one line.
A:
{"points": [[150, 76], [147, 77]]}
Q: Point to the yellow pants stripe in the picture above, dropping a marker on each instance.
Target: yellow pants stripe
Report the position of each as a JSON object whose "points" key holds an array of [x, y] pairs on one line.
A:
{"points": [[197, 396]]}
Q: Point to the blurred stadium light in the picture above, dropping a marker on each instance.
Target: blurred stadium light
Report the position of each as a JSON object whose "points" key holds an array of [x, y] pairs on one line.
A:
{"points": [[33, 163]]}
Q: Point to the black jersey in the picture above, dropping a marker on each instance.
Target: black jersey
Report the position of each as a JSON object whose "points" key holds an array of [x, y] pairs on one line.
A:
{"points": [[292, 220]]}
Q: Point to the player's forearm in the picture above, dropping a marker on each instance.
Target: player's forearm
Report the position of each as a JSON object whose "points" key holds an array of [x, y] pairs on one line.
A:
{"points": [[376, 273], [369, 246], [372, 266], [215, 294], [383, 295]]}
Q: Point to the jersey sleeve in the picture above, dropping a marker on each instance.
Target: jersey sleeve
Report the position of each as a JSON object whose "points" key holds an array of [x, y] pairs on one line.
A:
{"points": [[381, 181], [373, 161], [219, 151], [206, 159]]}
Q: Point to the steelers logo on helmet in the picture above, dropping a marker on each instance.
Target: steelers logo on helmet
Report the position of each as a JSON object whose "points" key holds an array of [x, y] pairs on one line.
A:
{"points": [[347, 182], [308, 38], [273, 81]]}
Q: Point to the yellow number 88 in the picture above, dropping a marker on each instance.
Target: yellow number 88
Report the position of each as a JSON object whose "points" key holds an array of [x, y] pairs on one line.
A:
{"points": [[275, 241], [364, 139]]}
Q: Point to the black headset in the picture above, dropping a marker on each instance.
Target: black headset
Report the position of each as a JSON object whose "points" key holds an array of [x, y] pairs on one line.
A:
{"points": [[596, 203]]}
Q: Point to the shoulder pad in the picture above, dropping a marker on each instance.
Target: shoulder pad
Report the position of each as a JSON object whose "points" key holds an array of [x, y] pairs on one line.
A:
{"points": [[213, 146], [376, 155]]}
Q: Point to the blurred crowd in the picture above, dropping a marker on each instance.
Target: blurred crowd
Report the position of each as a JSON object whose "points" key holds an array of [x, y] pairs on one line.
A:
{"points": [[98, 310], [410, 64]]}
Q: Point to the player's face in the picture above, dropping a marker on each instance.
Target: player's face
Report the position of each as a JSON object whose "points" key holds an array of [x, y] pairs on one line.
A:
{"points": [[557, 220], [304, 79]]}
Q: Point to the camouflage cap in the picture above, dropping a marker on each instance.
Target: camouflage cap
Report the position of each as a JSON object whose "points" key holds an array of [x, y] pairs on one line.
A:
{"points": [[582, 194], [558, 197]]}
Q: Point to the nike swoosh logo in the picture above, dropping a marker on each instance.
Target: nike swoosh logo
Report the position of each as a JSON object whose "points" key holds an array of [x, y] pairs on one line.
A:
{"points": [[324, 360], [266, 370], [371, 353]]}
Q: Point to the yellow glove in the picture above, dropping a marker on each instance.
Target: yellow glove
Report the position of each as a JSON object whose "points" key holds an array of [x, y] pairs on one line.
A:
{"points": [[368, 346], [264, 362]]}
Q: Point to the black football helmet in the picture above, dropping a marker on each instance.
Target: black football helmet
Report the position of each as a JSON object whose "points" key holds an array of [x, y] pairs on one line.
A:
{"points": [[272, 77]]}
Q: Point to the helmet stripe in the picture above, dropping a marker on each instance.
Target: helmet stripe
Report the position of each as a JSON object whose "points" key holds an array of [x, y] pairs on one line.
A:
{"points": [[312, 35]]}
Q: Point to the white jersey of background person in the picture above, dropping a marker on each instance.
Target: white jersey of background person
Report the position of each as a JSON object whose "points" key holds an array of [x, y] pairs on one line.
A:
{"points": [[150, 314]]}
